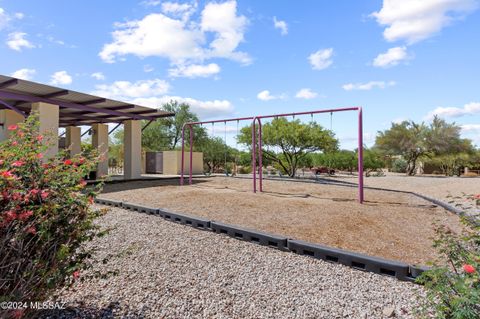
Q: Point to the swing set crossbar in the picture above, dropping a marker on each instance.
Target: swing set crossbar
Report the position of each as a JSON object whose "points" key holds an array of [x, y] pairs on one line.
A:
{"points": [[257, 143]]}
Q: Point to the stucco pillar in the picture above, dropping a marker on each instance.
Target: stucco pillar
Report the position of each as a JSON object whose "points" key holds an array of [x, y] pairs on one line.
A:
{"points": [[132, 149], [7, 118], [48, 116], [73, 140], [100, 142]]}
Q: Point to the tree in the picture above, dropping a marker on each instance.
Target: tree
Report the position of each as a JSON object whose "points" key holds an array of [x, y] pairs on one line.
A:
{"points": [[413, 141], [372, 161], [293, 140], [216, 152], [166, 133], [340, 160]]}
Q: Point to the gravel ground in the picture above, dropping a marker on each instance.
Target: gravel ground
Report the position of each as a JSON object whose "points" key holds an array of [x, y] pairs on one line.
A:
{"points": [[389, 225], [166, 270]]}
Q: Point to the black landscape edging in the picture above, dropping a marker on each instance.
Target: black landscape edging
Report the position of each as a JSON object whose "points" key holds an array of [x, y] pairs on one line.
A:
{"points": [[108, 202], [392, 268], [251, 235], [193, 221]]}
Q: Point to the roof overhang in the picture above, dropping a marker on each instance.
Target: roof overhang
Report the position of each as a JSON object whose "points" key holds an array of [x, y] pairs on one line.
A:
{"points": [[76, 108]]}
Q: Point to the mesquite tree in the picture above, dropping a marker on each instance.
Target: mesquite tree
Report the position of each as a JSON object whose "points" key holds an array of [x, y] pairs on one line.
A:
{"points": [[286, 143]]}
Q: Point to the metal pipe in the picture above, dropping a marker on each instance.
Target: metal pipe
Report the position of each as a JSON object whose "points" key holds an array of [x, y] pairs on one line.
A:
{"points": [[13, 108], [113, 129], [183, 153], [254, 157], [260, 164], [360, 156], [191, 155]]}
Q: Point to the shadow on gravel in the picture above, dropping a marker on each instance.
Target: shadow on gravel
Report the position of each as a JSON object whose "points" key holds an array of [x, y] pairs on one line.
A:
{"points": [[113, 310]]}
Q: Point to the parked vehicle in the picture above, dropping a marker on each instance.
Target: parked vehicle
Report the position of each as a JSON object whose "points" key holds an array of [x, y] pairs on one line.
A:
{"points": [[323, 170]]}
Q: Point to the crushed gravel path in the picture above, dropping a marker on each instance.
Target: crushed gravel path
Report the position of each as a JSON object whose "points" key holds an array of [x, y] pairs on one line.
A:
{"points": [[166, 270]]}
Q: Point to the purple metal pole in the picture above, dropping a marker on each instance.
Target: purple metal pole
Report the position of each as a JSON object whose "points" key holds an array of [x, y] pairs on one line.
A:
{"points": [[360, 156], [260, 165], [254, 157], [191, 155], [183, 154]]}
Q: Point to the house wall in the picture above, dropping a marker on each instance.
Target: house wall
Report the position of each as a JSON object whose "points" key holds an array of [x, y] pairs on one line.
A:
{"points": [[172, 162]]}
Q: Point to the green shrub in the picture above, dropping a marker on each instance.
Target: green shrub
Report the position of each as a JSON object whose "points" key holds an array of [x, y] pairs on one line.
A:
{"points": [[453, 284], [45, 216], [399, 166], [244, 170]]}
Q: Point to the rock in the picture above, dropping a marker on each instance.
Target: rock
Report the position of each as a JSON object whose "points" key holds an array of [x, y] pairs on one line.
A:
{"points": [[389, 312]]}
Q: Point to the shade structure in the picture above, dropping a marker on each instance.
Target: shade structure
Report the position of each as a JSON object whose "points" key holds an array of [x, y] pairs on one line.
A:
{"points": [[76, 108]]}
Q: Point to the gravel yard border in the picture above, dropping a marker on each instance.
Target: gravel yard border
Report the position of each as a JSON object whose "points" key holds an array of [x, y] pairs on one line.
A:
{"points": [[399, 270]]}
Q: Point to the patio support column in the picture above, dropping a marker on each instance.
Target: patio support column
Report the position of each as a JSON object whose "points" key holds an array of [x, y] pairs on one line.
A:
{"points": [[132, 149], [7, 118], [73, 140], [48, 116], [100, 143]]}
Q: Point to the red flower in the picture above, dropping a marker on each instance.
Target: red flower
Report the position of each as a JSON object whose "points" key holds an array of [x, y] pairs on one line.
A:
{"points": [[477, 196], [44, 194], [68, 162], [10, 215], [469, 269], [25, 215], [6, 174], [1, 162], [12, 127], [90, 199], [39, 138], [76, 274], [31, 230], [81, 160], [39, 155], [14, 143], [18, 313], [83, 183], [34, 192], [18, 163]]}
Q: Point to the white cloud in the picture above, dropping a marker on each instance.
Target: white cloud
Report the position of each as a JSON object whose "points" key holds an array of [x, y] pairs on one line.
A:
{"points": [[306, 94], [6, 18], [24, 74], [281, 25], [391, 58], [470, 128], [266, 96], [125, 90], [367, 86], [61, 78], [16, 41], [182, 41], [468, 109], [194, 70], [183, 10], [415, 20], [321, 59], [98, 76]]}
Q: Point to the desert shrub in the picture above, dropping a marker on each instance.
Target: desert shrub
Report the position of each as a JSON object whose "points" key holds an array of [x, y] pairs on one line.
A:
{"points": [[244, 169], [470, 174], [399, 166], [45, 216], [453, 287]]}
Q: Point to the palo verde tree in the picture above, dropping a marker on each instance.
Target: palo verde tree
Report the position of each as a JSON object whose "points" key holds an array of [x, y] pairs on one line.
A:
{"points": [[286, 143], [415, 140]]}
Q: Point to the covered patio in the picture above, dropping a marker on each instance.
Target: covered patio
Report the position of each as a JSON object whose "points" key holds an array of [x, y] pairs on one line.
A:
{"points": [[63, 108]]}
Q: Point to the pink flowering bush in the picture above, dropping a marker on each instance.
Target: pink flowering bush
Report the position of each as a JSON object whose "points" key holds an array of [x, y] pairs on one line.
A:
{"points": [[45, 216], [453, 288]]}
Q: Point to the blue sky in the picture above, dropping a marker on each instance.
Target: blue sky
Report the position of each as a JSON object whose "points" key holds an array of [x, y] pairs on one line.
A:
{"points": [[399, 59]]}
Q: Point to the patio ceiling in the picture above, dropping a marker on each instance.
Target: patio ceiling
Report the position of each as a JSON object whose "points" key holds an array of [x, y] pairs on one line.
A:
{"points": [[76, 108]]}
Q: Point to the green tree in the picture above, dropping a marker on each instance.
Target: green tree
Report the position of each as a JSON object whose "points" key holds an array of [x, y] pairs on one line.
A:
{"points": [[216, 153], [372, 161], [340, 160], [286, 143], [415, 140]]}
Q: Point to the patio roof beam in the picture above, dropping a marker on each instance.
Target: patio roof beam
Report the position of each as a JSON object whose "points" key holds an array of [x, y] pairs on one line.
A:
{"points": [[30, 98], [91, 102], [8, 83], [55, 94]]}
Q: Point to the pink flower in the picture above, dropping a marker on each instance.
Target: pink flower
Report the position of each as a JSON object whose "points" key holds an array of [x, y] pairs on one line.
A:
{"points": [[44, 194], [6, 174], [12, 127], [1, 162], [76, 274], [10, 215], [90, 199], [18, 163], [34, 192], [39, 155], [14, 143], [477, 196], [469, 269], [68, 162], [18, 313], [25, 215], [81, 160], [39, 138], [31, 230]]}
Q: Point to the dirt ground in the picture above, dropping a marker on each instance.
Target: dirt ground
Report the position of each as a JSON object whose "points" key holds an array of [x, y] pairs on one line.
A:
{"points": [[390, 225]]}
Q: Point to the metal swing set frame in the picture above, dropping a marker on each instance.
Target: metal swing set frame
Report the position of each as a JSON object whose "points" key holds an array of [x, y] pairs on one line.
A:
{"points": [[257, 144]]}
